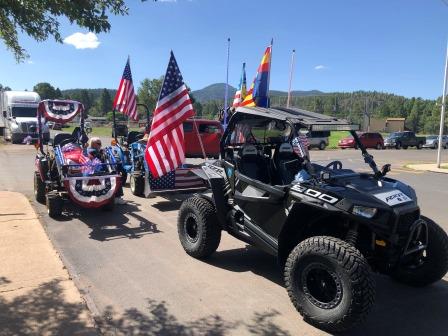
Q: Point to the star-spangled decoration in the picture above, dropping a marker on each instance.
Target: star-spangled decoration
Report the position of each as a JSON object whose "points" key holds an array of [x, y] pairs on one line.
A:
{"points": [[173, 79], [167, 181]]}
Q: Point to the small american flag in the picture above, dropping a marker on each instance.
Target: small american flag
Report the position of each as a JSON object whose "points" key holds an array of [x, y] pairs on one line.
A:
{"points": [[165, 150], [125, 100], [300, 145], [180, 178]]}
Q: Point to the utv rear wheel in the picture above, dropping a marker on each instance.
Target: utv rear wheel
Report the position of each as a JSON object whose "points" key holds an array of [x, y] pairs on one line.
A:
{"points": [[330, 283], [429, 266], [137, 184], [198, 227], [54, 205], [39, 188]]}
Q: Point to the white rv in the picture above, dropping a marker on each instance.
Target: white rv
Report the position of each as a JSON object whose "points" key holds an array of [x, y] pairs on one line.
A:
{"points": [[18, 119]]}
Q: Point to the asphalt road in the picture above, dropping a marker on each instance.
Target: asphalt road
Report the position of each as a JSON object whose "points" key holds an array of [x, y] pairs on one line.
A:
{"points": [[135, 276]]}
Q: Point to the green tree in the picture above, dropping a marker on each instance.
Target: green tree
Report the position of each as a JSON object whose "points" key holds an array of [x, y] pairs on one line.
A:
{"points": [[45, 90], [39, 19], [58, 94], [148, 94], [4, 88], [86, 99], [104, 103]]}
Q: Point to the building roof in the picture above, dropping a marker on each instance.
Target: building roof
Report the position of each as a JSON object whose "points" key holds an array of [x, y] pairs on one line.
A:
{"points": [[396, 119]]}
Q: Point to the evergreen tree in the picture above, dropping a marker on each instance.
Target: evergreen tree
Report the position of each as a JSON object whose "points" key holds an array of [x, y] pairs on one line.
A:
{"points": [[104, 103], [45, 90]]}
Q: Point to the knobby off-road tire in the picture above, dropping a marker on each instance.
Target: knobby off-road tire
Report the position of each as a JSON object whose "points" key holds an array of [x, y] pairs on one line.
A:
{"points": [[39, 188], [330, 283], [198, 227], [54, 205], [137, 184], [433, 266]]}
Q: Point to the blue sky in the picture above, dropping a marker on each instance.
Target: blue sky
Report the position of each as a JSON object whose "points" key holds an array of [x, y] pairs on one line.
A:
{"points": [[395, 46]]}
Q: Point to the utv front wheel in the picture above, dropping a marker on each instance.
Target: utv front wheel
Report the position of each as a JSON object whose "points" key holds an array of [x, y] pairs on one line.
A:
{"points": [[198, 228], [330, 283], [39, 188], [430, 265]]}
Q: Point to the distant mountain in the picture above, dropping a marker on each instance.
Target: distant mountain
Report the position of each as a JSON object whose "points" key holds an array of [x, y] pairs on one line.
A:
{"points": [[216, 92]]}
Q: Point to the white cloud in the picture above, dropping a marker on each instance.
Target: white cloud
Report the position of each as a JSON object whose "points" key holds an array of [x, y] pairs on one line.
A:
{"points": [[30, 62], [320, 67], [83, 41]]}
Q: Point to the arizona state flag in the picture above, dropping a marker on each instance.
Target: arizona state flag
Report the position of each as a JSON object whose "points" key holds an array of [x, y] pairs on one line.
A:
{"points": [[258, 94]]}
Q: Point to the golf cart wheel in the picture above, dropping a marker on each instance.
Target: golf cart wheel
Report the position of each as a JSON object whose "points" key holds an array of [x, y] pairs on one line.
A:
{"points": [[137, 184], [429, 266], [322, 145], [330, 283], [198, 228], [398, 145], [54, 205], [39, 188], [419, 145]]}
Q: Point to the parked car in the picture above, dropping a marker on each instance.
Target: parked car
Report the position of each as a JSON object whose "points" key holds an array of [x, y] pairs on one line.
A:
{"points": [[318, 139], [404, 140], [432, 141], [57, 126], [210, 132], [368, 139]]}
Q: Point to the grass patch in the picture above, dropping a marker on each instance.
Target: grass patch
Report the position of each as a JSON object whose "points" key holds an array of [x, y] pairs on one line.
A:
{"points": [[334, 138]]}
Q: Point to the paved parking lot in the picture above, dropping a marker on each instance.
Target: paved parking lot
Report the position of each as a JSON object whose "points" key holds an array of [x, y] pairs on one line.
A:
{"points": [[136, 277]]}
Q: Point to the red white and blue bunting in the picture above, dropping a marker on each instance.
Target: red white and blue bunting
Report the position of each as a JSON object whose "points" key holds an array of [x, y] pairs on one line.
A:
{"points": [[60, 111]]}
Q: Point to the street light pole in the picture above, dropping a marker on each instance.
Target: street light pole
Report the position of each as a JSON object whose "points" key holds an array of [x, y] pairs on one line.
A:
{"points": [[442, 113]]}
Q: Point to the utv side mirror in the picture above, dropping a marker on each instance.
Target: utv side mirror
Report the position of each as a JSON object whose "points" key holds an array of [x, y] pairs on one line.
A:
{"points": [[385, 169]]}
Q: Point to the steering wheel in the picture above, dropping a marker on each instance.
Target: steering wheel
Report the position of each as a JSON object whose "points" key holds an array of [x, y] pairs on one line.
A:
{"points": [[334, 165]]}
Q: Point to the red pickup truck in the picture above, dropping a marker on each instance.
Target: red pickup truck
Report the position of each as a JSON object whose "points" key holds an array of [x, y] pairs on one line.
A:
{"points": [[210, 132]]}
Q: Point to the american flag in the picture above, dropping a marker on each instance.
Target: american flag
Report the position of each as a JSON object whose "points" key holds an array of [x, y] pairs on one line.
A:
{"points": [[165, 150], [300, 145], [125, 100], [180, 178]]}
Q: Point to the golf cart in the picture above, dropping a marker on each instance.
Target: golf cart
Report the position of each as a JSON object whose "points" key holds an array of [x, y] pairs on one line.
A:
{"points": [[328, 226], [67, 171]]}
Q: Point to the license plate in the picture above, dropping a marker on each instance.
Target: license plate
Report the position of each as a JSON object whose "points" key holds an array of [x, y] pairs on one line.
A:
{"points": [[393, 197]]}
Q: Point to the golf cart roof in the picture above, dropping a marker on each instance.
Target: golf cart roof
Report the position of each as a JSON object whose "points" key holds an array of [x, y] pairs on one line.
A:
{"points": [[306, 119]]}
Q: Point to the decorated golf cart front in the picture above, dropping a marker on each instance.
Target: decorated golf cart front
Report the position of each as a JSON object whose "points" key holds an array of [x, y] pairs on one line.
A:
{"points": [[69, 170]]}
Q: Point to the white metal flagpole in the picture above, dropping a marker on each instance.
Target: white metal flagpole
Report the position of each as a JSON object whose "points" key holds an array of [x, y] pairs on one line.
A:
{"points": [[226, 95], [291, 71], [442, 113]]}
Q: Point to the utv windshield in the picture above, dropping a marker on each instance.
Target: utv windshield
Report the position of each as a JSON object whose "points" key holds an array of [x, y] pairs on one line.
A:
{"points": [[259, 131], [24, 112]]}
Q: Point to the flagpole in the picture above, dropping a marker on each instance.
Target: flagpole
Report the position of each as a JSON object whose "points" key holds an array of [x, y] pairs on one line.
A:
{"points": [[269, 74], [442, 113], [290, 78], [226, 95]]}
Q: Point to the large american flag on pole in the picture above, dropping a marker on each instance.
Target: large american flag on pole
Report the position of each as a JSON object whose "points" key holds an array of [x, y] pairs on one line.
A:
{"points": [[125, 100], [165, 150]]}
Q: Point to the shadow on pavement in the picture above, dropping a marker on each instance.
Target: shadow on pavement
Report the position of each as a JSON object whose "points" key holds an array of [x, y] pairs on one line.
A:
{"points": [[248, 259], [159, 321], [110, 225], [168, 205], [43, 311], [398, 310]]}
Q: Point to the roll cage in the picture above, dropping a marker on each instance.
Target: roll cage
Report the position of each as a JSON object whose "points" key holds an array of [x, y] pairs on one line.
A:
{"points": [[296, 119]]}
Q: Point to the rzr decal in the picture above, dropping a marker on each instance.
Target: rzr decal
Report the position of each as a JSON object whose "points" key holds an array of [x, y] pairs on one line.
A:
{"points": [[314, 193]]}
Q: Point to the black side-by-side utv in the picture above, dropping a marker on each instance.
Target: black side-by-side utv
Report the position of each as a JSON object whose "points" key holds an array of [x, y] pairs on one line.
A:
{"points": [[329, 226]]}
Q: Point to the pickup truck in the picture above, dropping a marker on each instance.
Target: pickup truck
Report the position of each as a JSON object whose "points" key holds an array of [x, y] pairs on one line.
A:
{"points": [[404, 140]]}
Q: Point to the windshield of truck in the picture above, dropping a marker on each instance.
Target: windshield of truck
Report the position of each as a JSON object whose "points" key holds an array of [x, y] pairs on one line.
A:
{"points": [[24, 112], [396, 135], [432, 137]]}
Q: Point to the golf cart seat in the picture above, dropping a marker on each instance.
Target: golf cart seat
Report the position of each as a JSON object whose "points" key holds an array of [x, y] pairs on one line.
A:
{"points": [[286, 164], [58, 138], [134, 136], [252, 164]]}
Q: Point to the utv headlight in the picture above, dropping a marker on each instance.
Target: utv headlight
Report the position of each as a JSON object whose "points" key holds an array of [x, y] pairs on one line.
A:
{"points": [[364, 211]]}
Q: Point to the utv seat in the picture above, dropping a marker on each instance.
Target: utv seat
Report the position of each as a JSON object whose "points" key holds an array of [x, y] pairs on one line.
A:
{"points": [[252, 164], [133, 136], [58, 138], [286, 164]]}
